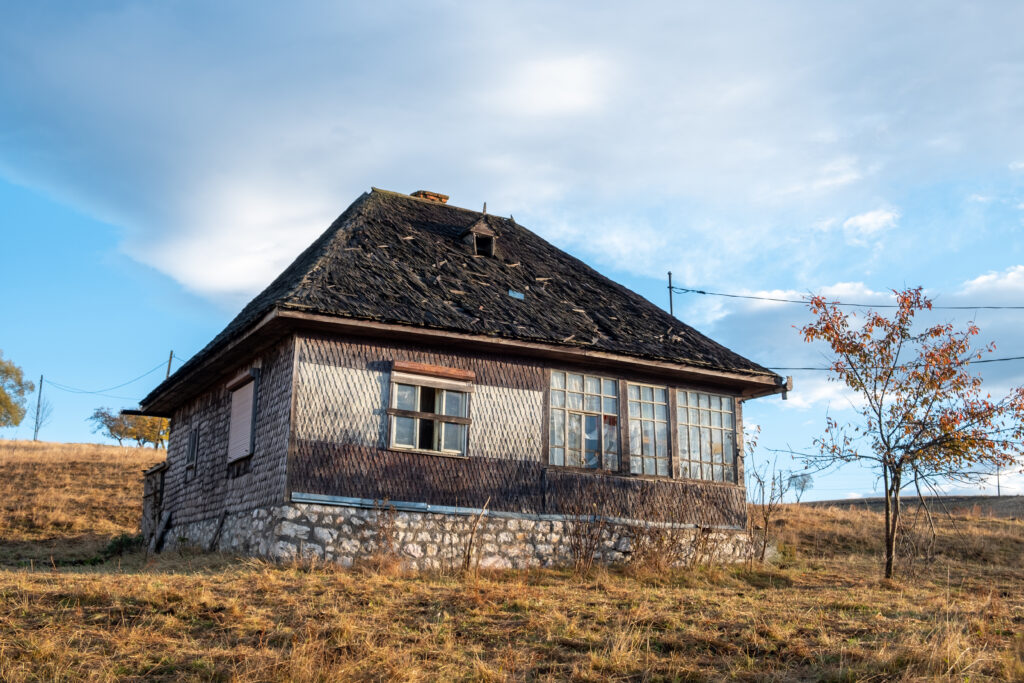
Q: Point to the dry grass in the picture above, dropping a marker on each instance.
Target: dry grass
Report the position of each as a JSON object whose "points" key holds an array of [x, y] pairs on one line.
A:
{"points": [[820, 613], [69, 499]]}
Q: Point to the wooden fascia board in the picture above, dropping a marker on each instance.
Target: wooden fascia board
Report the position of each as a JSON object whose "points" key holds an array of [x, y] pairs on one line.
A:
{"points": [[750, 386]]}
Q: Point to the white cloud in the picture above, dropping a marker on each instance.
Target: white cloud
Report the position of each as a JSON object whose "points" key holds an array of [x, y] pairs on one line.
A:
{"points": [[853, 495], [868, 225], [559, 86], [997, 284], [979, 198], [1017, 165]]}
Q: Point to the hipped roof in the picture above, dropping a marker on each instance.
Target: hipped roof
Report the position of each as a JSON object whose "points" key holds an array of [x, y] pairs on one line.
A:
{"points": [[393, 258]]}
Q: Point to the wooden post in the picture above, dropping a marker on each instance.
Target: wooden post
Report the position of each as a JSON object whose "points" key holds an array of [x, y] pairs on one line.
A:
{"points": [[39, 406], [671, 310], [170, 357]]}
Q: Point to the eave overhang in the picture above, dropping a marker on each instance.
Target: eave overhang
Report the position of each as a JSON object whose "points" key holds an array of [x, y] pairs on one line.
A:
{"points": [[278, 324]]}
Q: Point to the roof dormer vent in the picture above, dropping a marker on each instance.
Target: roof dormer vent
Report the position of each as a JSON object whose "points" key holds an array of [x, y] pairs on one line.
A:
{"points": [[481, 237], [430, 196]]}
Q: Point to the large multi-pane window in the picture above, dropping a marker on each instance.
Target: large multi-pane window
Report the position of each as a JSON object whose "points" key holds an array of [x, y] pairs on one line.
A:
{"points": [[428, 418], [648, 430], [707, 432], [584, 421]]}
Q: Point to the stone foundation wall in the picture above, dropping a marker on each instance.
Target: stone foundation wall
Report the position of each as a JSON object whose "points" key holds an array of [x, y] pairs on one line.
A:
{"points": [[425, 541]]}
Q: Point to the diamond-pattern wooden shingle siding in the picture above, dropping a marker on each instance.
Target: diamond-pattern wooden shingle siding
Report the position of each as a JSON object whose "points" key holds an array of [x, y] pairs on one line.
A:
{"points": [[204, 491], [340, 445]]}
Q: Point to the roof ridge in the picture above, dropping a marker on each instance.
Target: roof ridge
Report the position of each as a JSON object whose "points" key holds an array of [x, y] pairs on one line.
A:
{"points": [[431, 202]]}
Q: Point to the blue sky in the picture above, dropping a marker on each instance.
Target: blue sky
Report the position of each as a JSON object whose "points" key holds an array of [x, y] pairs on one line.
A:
{"points": [[161, 163]]}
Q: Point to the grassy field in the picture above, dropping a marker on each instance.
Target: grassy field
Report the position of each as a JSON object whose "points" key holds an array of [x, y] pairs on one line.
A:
{"points": [[820, 611]]}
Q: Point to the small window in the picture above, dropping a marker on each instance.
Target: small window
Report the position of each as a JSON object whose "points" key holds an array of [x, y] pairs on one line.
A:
{"points": [[484, 245], [193, 451], [648, 430], [243, 414], [429, 414], [707, 436], [584, 421]]}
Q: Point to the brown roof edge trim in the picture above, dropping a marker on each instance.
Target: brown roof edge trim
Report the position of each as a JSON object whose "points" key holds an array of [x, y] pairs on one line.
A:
{"points": [[757, 384], [433, 370]]}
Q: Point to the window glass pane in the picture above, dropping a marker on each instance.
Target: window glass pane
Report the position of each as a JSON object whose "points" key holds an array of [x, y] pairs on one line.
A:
{"points": [[660, 412], [558, 399], [557, 427], [683, 447], [558, 456], [633, 391], [649, 466], [575, 401], [662, 467], [611, 388], [718, 472], [405, 432], [611, 435], [730, 473], [428, 401], [691, 399], [592, 404], [661, 439], [558, 380], [611, 406], [716, 403], [591, 459], [727, 420], [575, 431], [634, 465], [703, 400], [635, 440], [680, 398], [694, 443], [705, 444], [455, 403], [694, 419], [592, 433], [573, 458], [660, 395], [716, 419], [454, 437], [405, 397], [727, 404], [727, 447], [647, 410], [705, 418], [575, 382], [611, 461], [593, 385], [695, 470], [647, 393], [716, 445], [634, 409], [648, 437]]}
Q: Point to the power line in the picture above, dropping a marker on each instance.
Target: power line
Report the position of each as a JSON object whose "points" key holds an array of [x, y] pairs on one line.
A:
{"points": [[76, 390], [973, 362], [804, 302]]}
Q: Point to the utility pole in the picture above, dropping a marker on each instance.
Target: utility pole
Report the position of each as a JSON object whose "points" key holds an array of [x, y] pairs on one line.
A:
{"points": [[170, 357], [670, 306], [39, 406], [999, 493]]}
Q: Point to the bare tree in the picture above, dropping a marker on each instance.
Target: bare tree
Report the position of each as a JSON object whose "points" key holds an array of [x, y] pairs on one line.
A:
{"points": [[40, 414], [800, 483]]}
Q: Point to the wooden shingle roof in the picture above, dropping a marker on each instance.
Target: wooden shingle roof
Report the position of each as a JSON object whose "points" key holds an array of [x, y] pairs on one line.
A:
{"points": [[397, 259]]}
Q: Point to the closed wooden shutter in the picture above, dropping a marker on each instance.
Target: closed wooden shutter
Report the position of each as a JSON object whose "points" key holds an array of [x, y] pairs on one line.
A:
{"points": [[240, 434]]}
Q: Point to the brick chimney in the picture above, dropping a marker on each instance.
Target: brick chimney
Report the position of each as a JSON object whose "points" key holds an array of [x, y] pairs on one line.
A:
{"points": [[431, 196]]}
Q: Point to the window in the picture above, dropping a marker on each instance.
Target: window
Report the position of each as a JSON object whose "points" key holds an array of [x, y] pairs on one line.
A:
{"points": [[648, 430], [243, 415], [429, 414], [707, 429], [483, 244], [192, 452], [584, 421]]}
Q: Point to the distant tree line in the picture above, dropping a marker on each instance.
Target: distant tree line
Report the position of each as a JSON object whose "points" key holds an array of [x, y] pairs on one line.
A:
{"points": [[141, 429]]}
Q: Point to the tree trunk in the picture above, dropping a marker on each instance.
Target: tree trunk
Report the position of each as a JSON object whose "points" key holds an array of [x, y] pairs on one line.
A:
{"points": [[892, 523]]}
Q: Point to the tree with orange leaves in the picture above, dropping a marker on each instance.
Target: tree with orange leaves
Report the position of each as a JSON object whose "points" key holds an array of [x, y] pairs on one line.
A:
{"points": [[922, 415]]}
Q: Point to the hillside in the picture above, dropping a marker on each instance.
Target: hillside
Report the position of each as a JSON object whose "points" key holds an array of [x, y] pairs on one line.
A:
{"points": [[820, 611], [986, 506]]}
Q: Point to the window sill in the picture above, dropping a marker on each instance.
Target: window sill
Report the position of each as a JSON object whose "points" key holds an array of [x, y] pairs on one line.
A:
{"points": [[419, 451]]}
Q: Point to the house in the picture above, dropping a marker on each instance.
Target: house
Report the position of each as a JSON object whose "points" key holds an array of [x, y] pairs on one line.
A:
{"points": [[427, 368]]}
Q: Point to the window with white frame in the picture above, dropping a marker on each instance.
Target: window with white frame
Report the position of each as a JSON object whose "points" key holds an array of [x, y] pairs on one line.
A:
{"points": [[429, 414], [707, 436], [648, 430], [584, 421]]}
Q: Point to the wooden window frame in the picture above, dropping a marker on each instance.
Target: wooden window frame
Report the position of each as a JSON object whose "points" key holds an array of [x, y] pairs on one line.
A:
{"points": [[685, 429], [441, 380], [667, 421], [251, 376], [192, 452], [604, 462]]}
